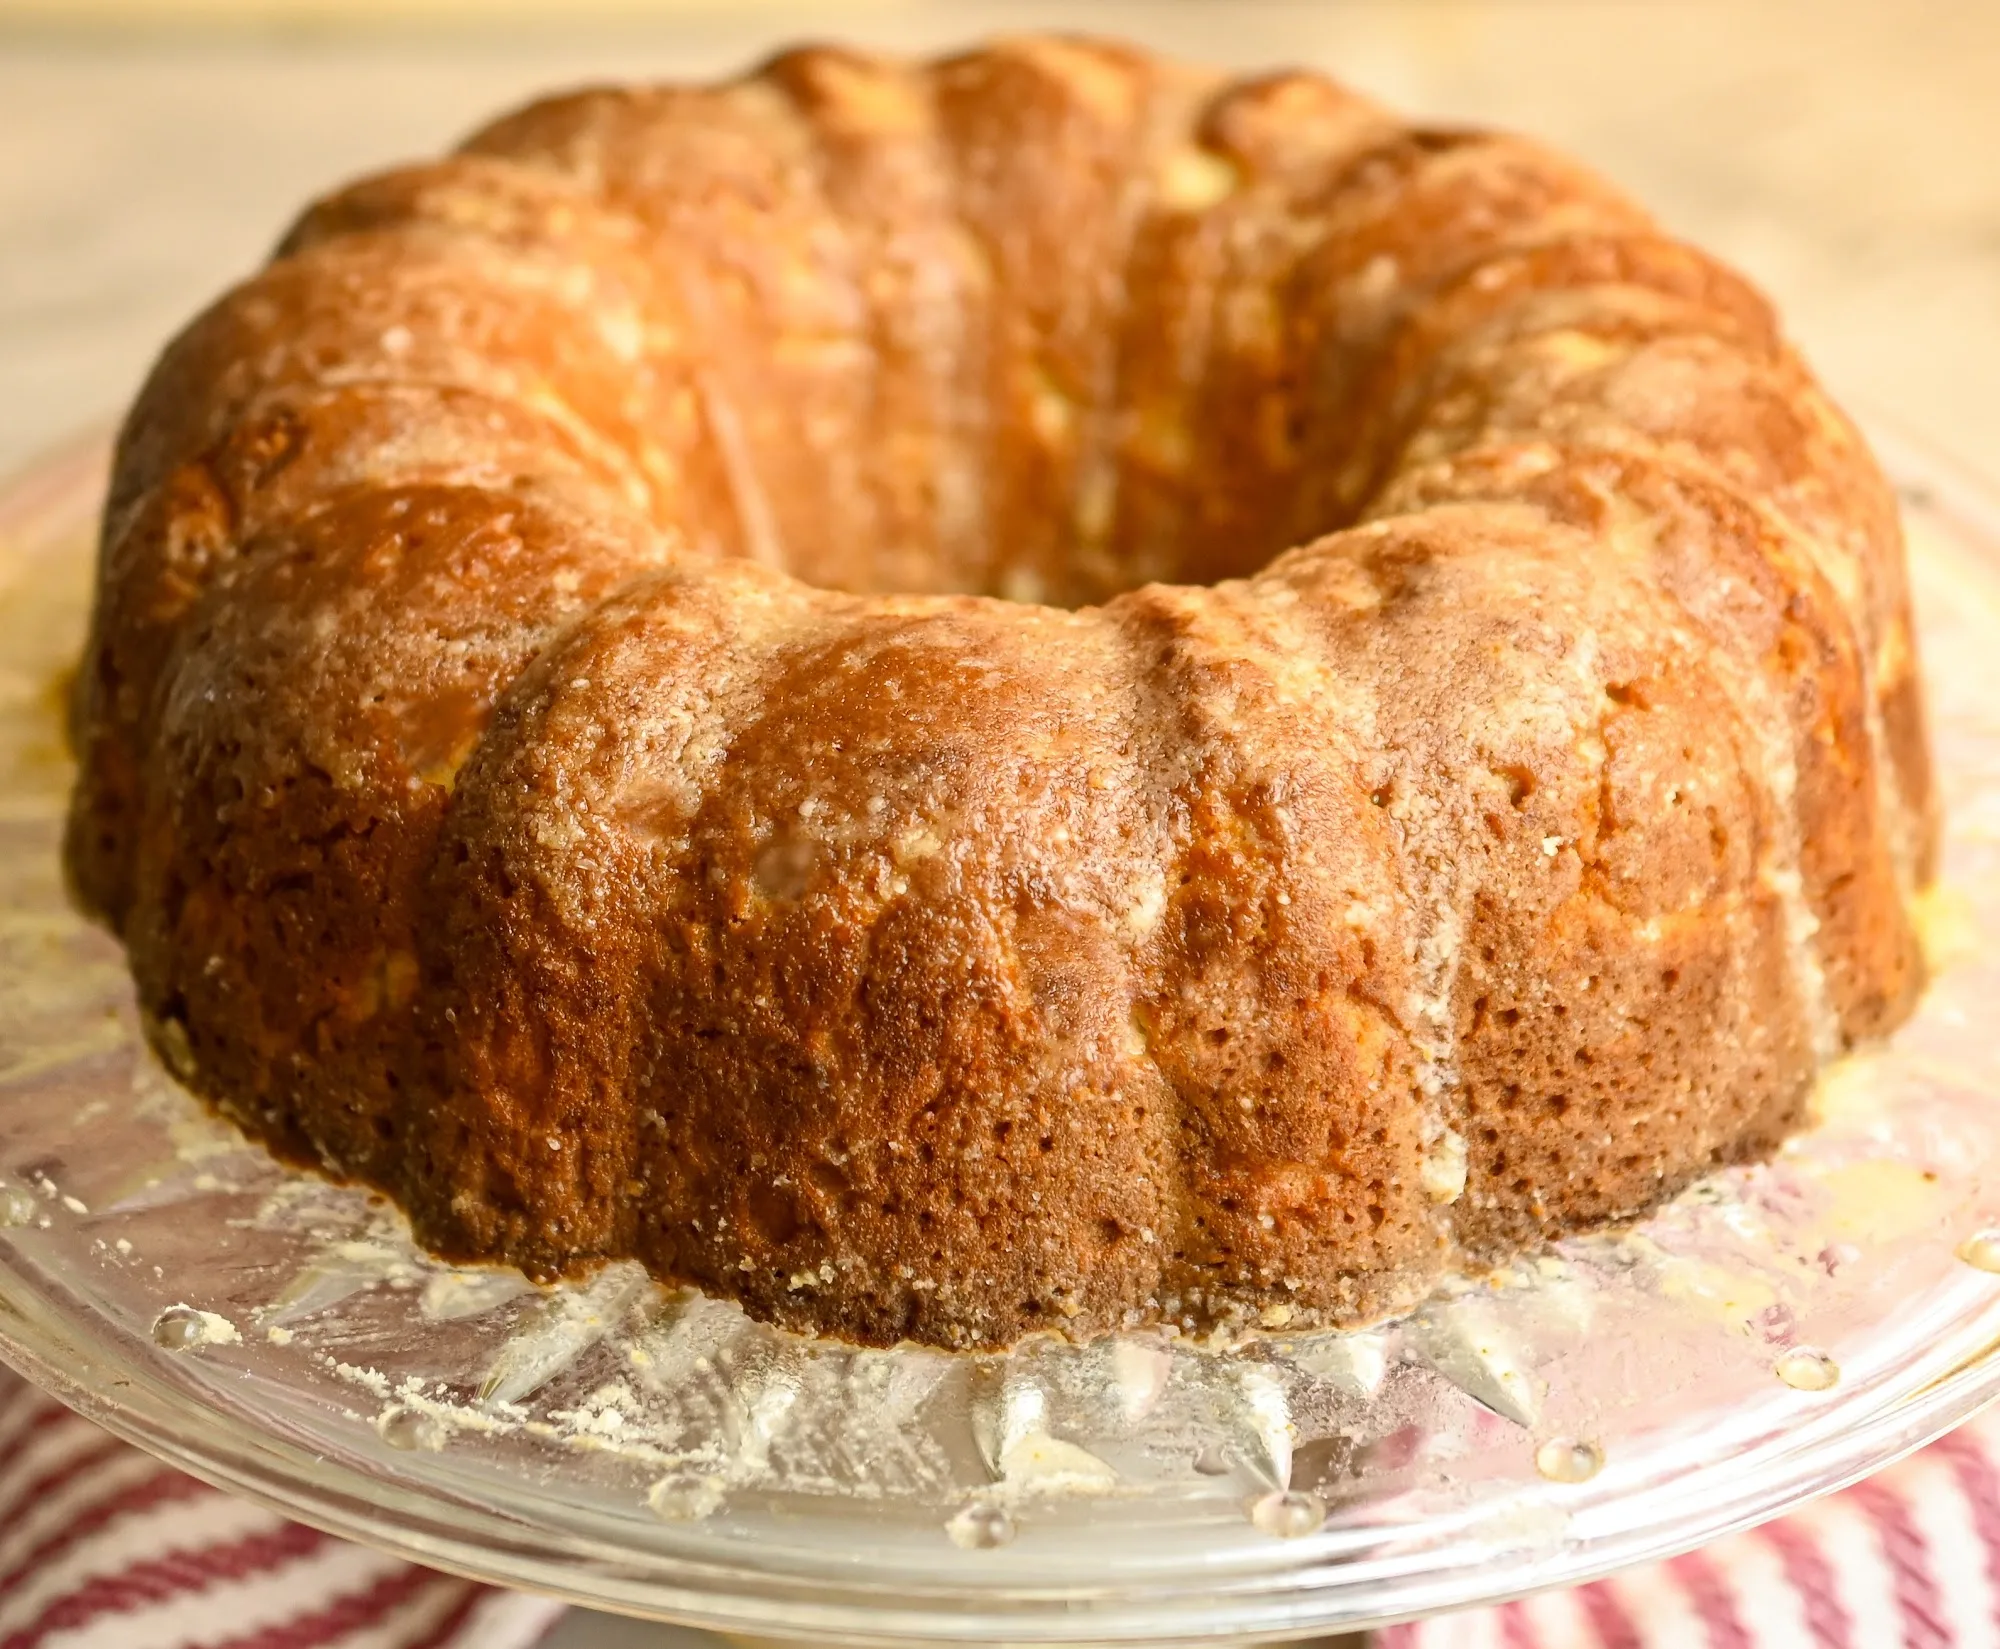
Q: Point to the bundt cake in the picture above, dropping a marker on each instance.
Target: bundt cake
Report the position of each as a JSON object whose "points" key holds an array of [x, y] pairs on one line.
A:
{"points": [[1035, 691]]}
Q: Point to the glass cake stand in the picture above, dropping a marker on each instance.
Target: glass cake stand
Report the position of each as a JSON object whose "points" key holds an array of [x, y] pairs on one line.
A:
{"points": [[1772, 1334]]}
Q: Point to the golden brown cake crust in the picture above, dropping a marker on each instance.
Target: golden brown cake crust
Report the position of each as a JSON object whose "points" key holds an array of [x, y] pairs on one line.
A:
{"points": [[1032, 691]]}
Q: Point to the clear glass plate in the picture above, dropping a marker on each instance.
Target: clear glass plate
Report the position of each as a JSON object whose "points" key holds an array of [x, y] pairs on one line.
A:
{"points": [[1770, 1335]]}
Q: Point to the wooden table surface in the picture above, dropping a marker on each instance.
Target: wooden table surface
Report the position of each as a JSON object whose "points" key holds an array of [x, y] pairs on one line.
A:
{"points": [[1846, 154]]}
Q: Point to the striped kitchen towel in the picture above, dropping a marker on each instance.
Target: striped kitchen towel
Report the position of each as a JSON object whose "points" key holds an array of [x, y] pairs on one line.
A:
{"points": [[102, 1547], [1909, 1558]]}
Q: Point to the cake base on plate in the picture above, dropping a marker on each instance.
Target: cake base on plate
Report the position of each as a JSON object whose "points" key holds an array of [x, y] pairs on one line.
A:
{"points": [[1618, 1398]]}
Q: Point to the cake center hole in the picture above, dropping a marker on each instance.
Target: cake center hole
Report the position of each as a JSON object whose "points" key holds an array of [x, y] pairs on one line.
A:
{"points": [[1059, 502]]}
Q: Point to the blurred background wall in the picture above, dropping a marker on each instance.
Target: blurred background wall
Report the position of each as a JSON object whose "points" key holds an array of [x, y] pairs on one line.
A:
{"points": [[1845, 152]]}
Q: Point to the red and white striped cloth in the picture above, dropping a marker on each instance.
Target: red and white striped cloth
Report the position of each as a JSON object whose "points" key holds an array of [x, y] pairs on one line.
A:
{"points": [[102, 1547], [1909, 1558]]}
